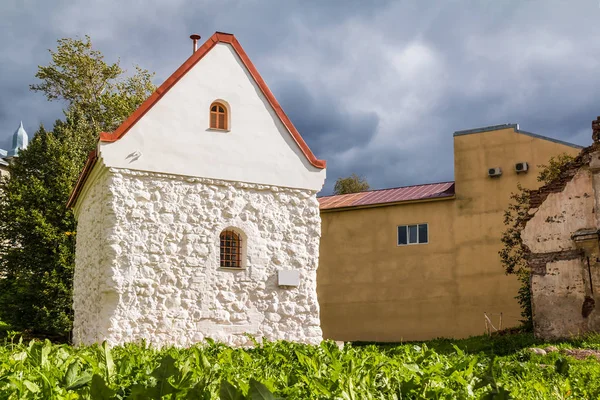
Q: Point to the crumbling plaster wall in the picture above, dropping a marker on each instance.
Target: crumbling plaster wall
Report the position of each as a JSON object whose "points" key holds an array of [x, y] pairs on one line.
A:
{"points": [[563, 261], [148, 261], [560, 215]]}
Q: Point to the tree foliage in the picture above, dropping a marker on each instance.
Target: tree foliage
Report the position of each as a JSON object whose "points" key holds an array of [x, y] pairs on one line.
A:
{"points": [[37, 236], [351, 184], [555, 166], [79, 76], [37, 231], [512, 254]]}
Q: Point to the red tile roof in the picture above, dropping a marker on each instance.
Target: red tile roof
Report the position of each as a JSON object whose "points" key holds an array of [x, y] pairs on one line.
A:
{"points": [[384, 196]]}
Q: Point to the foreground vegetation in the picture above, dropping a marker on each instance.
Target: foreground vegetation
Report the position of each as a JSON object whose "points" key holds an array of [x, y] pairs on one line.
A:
{"points": [[497, 368]]}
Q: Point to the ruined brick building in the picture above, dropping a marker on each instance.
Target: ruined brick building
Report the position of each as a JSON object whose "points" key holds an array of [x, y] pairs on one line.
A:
{"points": [[561, 237]]}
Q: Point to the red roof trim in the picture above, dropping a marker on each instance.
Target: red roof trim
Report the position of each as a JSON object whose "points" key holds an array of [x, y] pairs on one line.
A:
{"points": [[89, 165], [218, 37]]}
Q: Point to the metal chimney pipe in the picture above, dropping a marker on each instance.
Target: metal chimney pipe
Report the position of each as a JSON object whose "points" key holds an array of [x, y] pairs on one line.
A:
{"points": [[195, 39]]}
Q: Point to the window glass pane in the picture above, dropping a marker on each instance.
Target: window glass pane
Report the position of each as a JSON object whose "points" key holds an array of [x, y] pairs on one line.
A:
{"points": [[221, 109], [213, 108], [402, 239], [423, 238], [412, 234]]}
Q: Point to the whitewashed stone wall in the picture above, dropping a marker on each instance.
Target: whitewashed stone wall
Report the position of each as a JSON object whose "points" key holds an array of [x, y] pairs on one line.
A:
{"points": [[92, 267], [148, 261]]}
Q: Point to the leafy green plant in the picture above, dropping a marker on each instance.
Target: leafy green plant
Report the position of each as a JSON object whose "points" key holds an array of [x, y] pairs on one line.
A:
{"points": [[466, 369]]}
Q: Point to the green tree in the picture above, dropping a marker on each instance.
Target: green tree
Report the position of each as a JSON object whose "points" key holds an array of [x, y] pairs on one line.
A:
{"points": [[512, 255], [79, 76], [351, 184], [37, 236], [37, 231]]}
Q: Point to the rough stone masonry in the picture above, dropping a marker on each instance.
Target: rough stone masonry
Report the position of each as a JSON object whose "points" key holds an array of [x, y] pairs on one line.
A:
{"points": [[159, 278], [561, 236]]}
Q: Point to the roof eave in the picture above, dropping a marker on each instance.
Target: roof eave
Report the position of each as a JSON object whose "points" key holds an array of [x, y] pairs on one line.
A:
{"points": [[514, 127], [87, 169], [395, 203]]}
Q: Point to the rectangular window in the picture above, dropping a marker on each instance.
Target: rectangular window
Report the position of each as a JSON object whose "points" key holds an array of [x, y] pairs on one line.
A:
{"points": [[423, 238], [402, 236], [413, 234]]}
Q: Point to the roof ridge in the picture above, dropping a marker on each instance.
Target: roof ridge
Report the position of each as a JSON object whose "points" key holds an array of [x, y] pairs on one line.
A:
{"points": [[217, 37], [390, 188], [536, 135]]}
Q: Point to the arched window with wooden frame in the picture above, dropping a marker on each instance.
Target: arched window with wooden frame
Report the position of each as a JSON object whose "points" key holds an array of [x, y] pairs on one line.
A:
{"points": [[218, 116], [230, 249]]}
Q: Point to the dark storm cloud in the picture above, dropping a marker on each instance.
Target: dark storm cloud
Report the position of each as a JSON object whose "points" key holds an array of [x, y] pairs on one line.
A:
{"points": [[324, 124], [376, 88]]}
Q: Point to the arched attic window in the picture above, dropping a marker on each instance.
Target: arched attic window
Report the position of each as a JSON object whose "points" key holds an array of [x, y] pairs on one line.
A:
{"points": [[218, 116], [230, 249]]}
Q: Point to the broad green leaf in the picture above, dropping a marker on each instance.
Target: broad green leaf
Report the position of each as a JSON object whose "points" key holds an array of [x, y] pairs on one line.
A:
{"points": [[108, 361], [21, 356], [198, 392], [258, 391], [413, 367], [80, 381], [32, 387], [205, 362], [165, 370], [45, 352], [99, 390], [72, 372], [229, 392]]}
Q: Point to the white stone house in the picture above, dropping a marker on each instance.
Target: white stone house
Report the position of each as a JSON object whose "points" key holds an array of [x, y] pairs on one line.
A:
{"points": [[198, 216]]}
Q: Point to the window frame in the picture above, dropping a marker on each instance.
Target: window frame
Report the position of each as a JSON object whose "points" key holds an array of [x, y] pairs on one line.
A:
{"points": [[240, 253], [398, 244], [225, 114]]}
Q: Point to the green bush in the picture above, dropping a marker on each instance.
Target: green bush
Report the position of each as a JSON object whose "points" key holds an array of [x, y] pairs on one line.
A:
{"points": [[41, 370]]}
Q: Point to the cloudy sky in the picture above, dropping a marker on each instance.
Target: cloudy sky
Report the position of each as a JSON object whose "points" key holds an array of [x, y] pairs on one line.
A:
{"points": [[375, 87]]}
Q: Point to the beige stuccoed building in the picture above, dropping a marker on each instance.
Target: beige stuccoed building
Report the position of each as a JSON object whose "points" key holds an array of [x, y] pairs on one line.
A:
{"points": [[421, 262]]}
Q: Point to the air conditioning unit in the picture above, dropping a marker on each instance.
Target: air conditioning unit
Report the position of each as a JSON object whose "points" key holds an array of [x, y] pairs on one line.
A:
{"points": [[493, 172], [521, 167]]}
